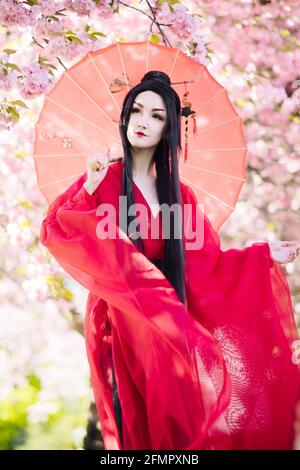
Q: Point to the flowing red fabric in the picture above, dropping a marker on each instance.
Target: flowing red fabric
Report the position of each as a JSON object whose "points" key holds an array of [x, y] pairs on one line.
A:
{"points": [[216, 373]]}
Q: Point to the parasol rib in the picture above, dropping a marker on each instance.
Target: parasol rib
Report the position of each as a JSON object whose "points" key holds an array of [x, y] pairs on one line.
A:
{"points": [[104, 82], [215, 172], [90, 98], [205, 129], [81, 118], [208, 193]]}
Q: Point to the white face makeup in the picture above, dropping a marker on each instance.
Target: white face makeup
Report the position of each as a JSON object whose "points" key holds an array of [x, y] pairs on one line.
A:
{"points": [[148, 116]]}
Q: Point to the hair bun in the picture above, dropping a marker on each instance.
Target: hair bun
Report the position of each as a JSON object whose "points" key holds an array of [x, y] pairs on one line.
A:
{"points": [[157, 75]]}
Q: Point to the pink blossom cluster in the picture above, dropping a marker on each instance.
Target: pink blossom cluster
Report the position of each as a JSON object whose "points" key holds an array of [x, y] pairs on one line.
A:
{"points": [[87, 7], [6, 119], [35, 81], [69, 50], [200, 54], [103, 9], [81, 7], [180, 22], [19, 13], [184, 27], [8, 76], [44, 27], [13, 12]]}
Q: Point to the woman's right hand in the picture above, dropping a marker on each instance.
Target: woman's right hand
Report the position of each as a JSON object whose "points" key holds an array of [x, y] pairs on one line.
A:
{"points": [[97, 167]]}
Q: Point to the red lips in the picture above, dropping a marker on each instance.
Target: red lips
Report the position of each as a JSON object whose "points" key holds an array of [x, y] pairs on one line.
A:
{"points": [[140, 133]]}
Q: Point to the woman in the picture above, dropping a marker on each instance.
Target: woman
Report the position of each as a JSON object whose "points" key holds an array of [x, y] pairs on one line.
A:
{"points": [[189, 347]]}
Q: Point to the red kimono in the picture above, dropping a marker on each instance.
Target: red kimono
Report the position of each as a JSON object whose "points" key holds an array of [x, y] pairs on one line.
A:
{"points": [[216, 373]]}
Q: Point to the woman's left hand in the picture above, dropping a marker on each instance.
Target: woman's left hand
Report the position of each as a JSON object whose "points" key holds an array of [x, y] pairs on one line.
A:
{"points": [[283, 251]]}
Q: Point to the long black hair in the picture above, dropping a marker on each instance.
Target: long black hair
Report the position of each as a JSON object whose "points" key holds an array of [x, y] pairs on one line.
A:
{"points": [[166, 163]]}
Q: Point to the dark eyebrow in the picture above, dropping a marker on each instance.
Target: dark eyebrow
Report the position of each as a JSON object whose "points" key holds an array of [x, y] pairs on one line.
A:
{"points": [[154, 109]]}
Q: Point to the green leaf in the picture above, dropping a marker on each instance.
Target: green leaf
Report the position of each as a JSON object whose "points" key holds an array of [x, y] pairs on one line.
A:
{"points": [[75, 38], [66, 294], [14, 114], [13, 67], [25, 204], [169, 2], [93, 36], [54, 34], [20, 103], [31, 2], [34, 381], [98, 33], [154, 38], [284, 32], [9, 51]]}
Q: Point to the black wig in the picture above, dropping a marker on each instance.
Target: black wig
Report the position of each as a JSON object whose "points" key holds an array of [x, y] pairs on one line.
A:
{"points": [[166, 163]]}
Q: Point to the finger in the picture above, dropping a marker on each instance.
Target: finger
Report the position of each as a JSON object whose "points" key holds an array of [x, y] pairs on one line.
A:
{"points": [[103, 158], [97, 162], [97, 157], [92, 158], [95, 166], [98, 166]]}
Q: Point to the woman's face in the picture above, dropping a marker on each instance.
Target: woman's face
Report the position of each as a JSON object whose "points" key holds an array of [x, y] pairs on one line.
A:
{"points": [[149, 116]]}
